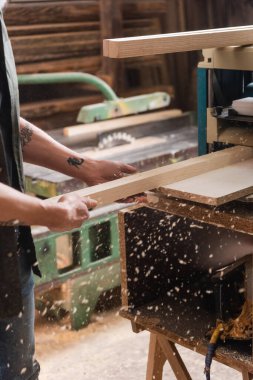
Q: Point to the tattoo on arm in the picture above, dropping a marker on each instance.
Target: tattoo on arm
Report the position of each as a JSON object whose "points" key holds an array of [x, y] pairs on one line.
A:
{"points": [[26, 135], [76, 162]]}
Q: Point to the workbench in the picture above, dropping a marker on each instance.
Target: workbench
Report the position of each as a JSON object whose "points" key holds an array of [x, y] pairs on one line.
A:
{"points": [[170, 293]]}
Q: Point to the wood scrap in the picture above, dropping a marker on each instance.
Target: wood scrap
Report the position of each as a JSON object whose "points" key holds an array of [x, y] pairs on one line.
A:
{"points": [[121, 123]]}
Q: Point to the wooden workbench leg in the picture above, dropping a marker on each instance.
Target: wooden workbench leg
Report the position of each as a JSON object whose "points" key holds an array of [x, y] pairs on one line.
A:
{"points": [[246, 375], [136, 327], [174, 358], [156, 359]]}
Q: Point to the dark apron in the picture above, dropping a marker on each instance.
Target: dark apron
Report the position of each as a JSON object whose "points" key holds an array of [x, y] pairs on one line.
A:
{"points": [[11, 174]]}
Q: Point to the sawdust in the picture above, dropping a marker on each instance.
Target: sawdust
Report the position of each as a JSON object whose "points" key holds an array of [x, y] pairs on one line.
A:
{"points": [[57, 335], [241, 327], [106, 350]]}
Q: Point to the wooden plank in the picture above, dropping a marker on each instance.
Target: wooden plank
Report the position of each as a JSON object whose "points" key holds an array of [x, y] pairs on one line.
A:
{"points": [[112, 191], [50, 107], [90, 64], [215, 187], [224, 216], [143, 8], [177, 42], [51, 12], [246, 375], [179, 64], [92, 130], [28, 30], [235, 135], [136, 328], [54, 46], [174, 358], [156, 359], [112, 27], [159, 324]]}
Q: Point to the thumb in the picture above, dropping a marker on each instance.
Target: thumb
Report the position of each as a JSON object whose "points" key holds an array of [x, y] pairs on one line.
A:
{"points": [[90, 203], [128, 169]]}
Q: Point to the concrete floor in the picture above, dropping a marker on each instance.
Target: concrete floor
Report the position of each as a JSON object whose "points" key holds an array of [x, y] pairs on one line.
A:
{"points": [[107, 349]]}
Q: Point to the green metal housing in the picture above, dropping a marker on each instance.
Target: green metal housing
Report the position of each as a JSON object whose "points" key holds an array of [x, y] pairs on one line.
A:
{"points": [[92, 269], [112, 107]]}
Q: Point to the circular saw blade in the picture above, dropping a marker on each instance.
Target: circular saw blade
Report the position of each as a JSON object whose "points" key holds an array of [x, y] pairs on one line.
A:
{"points": [[115, 139]]}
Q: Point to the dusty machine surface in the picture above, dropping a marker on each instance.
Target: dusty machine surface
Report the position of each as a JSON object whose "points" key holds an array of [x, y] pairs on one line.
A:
{"points": [[187, 256]]}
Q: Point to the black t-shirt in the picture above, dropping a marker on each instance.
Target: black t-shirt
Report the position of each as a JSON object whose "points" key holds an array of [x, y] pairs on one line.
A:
{"points": [[7, 159]]}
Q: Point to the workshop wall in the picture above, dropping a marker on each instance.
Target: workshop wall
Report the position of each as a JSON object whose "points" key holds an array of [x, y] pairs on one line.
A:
{"points": [[195, 15], [50, 36]]}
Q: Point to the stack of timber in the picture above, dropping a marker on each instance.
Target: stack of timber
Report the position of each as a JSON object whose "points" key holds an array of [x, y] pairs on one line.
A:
{"points": [[53, 36]]}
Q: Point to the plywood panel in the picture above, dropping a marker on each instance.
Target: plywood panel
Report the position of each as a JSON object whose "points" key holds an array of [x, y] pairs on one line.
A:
{"points": [[215, 187]]}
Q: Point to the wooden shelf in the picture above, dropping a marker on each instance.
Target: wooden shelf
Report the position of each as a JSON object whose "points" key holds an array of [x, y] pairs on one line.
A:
{"points": [[187, 324]]}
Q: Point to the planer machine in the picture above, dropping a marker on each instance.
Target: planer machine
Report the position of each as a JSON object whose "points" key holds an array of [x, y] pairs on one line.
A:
{"points": [[194, 258]]}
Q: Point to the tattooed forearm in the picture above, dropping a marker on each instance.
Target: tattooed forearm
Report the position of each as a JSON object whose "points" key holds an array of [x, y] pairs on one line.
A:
{"points": [[26, 135], [73, 161]]}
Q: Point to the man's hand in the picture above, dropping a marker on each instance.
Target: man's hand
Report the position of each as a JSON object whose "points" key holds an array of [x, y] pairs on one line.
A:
{"points": [[94, 172], [18, 208], [41, 149], [69, 213]]}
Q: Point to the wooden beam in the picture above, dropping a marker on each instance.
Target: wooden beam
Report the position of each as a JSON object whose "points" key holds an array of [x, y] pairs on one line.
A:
{"points": [[112, 191], [246, 375], [156, 359], [27, 13], [47, 108], [91, 131], [112, 27], [90, 64], [178, 42], [174, 358]]}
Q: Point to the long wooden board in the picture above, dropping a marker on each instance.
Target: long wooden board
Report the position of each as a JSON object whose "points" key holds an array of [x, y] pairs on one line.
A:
{"points": [[112, 191], [215, 187], [177, 42], [90, 131]]}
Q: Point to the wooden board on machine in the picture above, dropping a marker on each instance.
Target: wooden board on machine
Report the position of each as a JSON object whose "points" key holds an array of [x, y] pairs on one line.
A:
{"points": [[112, 191], [215, 187], [88, 130]]}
